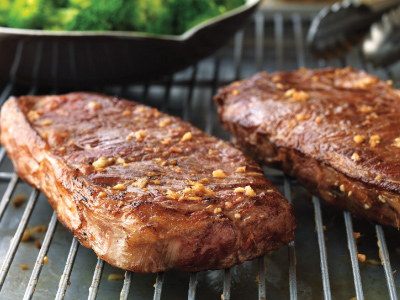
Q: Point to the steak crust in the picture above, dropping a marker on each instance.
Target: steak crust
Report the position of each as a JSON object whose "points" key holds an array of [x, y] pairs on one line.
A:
{"points": [[137, 185], [335, 130]]}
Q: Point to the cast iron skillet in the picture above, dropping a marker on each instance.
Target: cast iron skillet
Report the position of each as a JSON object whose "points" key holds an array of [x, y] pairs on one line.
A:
{"points": [[83, 58]]}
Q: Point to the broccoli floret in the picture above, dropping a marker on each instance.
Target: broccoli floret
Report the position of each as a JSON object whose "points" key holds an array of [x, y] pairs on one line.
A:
{"points": [[60, 3], [151, 16], [29, 14], [188, 13], [81, 4], [98, 15], [230, 4], [60, 18], [4, 7]]}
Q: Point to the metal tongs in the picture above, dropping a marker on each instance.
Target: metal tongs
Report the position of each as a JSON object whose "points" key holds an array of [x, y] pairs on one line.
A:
{"points": [[338, 27], [382, 45]]}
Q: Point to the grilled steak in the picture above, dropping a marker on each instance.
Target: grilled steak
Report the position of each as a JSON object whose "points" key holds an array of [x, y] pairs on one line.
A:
{"points": [[146, 191], [336, 130]]}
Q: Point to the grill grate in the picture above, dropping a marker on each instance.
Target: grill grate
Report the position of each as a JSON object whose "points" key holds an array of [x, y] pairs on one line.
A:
{"points": [[272, 41]]}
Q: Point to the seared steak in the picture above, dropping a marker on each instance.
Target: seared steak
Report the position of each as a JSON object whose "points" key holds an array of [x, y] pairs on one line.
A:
{"points": [[146, 191], [336, 130]]}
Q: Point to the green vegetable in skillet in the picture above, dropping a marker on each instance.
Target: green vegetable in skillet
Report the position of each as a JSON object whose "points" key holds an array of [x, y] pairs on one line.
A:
{"points": [[151, 16], [4, 8]]}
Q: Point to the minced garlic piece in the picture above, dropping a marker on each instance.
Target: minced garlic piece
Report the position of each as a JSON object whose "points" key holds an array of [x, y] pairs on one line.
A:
{"points": [[301, 117], [241, 169], [368, 122], [33, 116], [175, 150], [127, 113], [367, 206], [249, 191], [119, 186], [102, 194], [238, 216], [130, 136], [296, 95], [361, 257], [228, 205], [212, 152], [365, 108], [218, 174], [164, 123], [279, 86], [349, 194], [342, 188], [235, 92], [47, 122], [166, 141], [113, 277], [318, 120], [396, 142], [120, 161], [359, 139], [194, 193], [140, 134], [372, 115], [26, 236], [276, 78], [374, 140], [187, 136], [173, 195], [217, 210], [300, 96], [62, 150], [140, 109], [198, 189], [289, 93], [291, 123], [45, 260], [204, 180], [378, 177], [382, 198], [239, 190], [366, 81], [355, 157], [187, 191], [94, 105], [142, 182], [103, 162], [389, 82]]}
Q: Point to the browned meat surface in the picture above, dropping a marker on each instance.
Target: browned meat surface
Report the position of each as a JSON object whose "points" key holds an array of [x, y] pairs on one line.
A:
{"points": [[146, 191], [336, 130]]}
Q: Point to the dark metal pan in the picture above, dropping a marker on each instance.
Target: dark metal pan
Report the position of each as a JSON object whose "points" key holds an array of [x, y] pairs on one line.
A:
{"points": [[82, 58]]}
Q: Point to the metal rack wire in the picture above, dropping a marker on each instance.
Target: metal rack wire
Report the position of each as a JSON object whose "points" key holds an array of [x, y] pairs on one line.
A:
{"points": [[272, 41]]}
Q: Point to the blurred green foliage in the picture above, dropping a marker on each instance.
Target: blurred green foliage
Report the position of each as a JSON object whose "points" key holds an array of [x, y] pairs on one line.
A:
{"points": [[150, 16]]}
